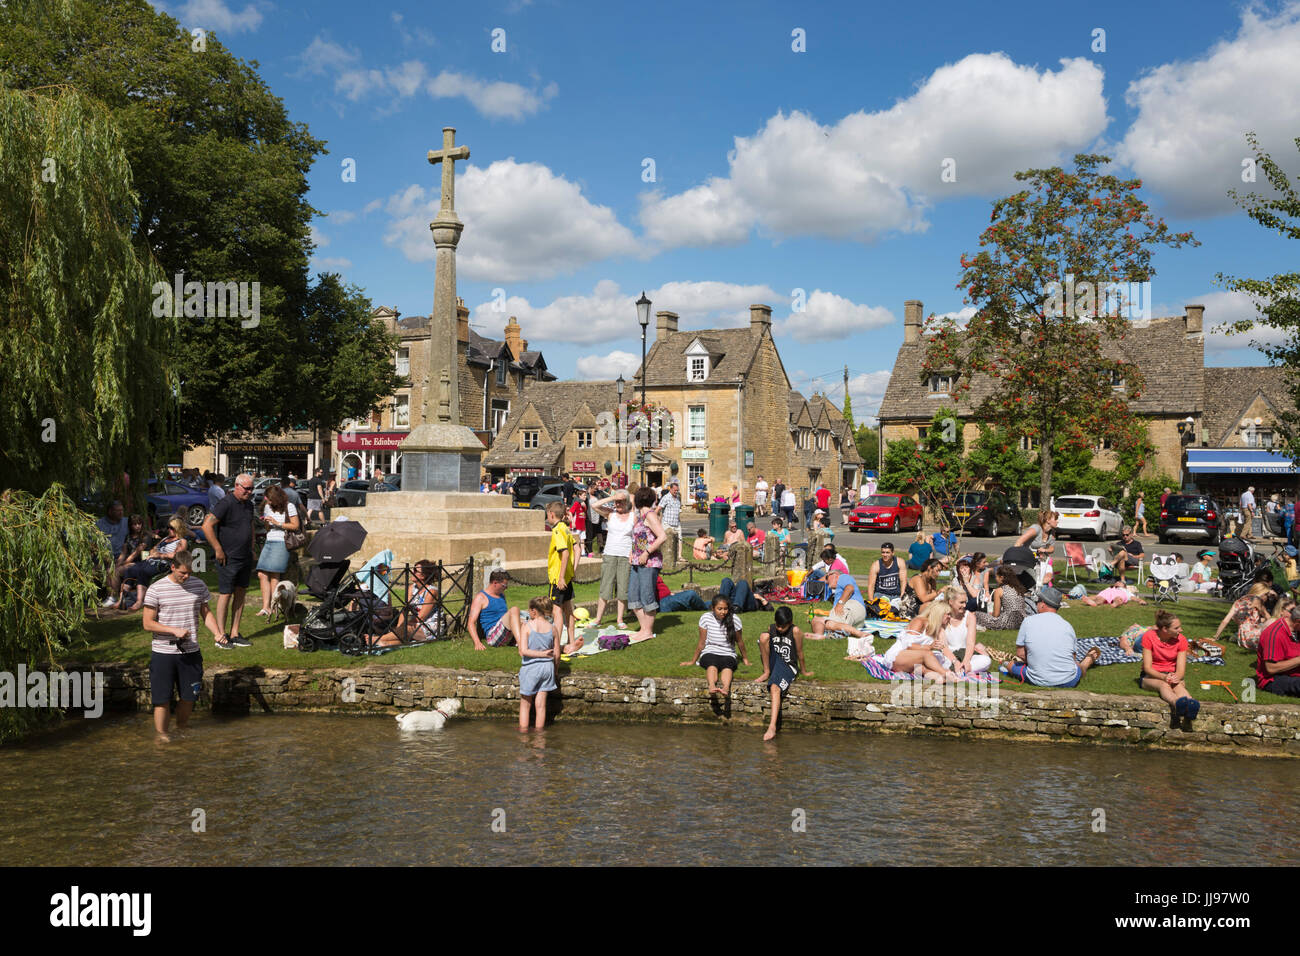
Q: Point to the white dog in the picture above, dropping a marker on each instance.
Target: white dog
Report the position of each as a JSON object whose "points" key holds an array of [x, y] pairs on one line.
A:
{"points": [[284, 600], [429, 719]]}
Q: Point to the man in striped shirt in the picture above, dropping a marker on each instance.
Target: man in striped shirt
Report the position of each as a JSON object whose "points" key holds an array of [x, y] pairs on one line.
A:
{"points": [[173, 607], [670, 507]]}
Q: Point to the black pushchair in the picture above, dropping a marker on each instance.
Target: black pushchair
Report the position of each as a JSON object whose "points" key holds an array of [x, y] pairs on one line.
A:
{"points": [[341, 620], [1236, 567]]}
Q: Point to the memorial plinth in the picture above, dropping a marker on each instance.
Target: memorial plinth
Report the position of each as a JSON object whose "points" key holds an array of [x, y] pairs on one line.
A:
{"points": [[450, 526], [440, 456]]}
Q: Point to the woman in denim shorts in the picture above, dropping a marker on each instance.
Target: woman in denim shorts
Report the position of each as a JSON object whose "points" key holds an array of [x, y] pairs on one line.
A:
{"points": [[645, 562]]}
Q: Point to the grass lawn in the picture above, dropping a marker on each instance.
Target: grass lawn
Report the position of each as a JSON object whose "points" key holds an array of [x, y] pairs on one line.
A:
{"points": [[121, 638]]}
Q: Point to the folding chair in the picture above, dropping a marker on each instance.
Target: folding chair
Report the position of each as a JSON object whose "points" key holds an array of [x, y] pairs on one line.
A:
{"points": [[1164, 577], [1075, 557]]}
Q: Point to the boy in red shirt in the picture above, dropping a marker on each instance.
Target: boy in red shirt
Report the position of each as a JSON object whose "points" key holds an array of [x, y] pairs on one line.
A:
{"points": [[1164, 663], [578, 520]]}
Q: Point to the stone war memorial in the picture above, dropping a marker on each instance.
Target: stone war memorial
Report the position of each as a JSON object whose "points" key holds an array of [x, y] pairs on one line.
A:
{"points": [[439, 514]]}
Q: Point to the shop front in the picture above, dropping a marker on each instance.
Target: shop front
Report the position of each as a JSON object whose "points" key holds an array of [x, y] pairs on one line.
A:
{"points": [[1224, 473], [360, 453], [277, 459]]}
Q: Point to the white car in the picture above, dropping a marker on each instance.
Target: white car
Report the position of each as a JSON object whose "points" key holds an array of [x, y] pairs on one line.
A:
{"points": [[1087, 515]]}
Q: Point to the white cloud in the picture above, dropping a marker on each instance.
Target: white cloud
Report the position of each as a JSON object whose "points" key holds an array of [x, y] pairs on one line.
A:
{"points": [[371, 206], [1189, 137], [341, 217], [608, 313], [827, 316], [318, 238], [494, 99], [214, 15], [873, 173], [867, 390], [609, 366], [522, 222], [1221, 310], [331, 264], [961, 317], [414, 36]]}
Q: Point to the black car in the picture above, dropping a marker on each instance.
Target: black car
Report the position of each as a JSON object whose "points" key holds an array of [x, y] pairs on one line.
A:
{"points": [[526, 487], [352, 494], [1191, 516], [984, 512]]}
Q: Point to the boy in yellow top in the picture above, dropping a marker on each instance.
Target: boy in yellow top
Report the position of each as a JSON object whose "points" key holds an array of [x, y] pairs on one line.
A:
{"points": [[561, 566]]}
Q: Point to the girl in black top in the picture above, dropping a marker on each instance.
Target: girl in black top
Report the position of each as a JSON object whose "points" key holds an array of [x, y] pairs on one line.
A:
{"points": [[782, 649]]}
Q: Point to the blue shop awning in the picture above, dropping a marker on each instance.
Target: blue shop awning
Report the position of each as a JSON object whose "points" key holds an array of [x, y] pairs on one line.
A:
{"points": [[1237, 461]]}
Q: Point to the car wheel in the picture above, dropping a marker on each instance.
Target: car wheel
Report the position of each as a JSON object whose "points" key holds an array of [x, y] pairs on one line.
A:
{"points": [[195, 514], [897, 524]]}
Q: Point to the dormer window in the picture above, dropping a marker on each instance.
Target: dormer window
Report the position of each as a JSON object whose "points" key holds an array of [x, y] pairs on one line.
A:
{"points": [[942, 384], [501, 372], [698, 368], [530, 438]]}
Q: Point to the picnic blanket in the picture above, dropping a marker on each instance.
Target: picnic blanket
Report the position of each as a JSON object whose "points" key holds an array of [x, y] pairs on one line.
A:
{"points": [[878, 669], [1111, 653], [787, 595], [591, 644]]}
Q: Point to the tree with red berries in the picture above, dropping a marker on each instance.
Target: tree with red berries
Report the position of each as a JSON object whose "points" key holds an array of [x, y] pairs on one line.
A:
{"points": [[1051, 287]]}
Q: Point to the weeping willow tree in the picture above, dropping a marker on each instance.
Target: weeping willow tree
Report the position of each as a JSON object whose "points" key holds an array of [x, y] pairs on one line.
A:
{"points": [[87, 383]]}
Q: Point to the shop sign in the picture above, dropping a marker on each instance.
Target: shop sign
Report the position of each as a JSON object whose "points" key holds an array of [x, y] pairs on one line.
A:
{"points": [[583, 466], [267, 447], [695, 454], [370, 441]]}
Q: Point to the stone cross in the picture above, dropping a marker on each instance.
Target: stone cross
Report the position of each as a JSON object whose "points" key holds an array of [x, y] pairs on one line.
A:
{"points": [[447, 156]]}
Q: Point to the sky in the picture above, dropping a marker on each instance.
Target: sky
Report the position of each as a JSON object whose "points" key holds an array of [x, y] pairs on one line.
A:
{"points": [[717, 155]]}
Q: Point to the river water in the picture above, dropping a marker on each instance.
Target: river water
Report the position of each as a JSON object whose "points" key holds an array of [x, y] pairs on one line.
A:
{"points": [[308, 789]]}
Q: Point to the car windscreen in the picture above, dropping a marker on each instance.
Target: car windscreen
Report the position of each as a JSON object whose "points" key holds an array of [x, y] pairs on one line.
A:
{"points": [[881, 501], [1186, 503], [1075, 503], [968, 498]]}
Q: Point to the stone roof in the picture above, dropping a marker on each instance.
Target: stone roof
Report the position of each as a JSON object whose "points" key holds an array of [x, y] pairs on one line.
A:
{"points": [[731, 353], [1171, 361], [557, 405], [1229, 392]]}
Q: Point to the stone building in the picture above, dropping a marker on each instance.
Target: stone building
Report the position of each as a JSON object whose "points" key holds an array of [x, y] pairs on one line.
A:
{"points": [[493, 374], [1233, 446], [1170, 352], [734, 418]]}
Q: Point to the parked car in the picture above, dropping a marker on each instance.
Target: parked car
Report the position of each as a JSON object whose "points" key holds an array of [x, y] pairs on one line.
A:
{"points": [[167, 497], [352, 494], [890, 513], [1087, 515], [1186, 516], [984, 512], [526, 486], [553, 491]]}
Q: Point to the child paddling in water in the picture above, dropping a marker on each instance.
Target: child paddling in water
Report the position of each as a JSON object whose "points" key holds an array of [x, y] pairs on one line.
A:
{"points": [[720, 638], [540, 653], [782, 649]]}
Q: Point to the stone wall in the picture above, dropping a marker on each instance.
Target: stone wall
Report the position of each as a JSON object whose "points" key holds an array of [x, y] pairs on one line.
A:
{"points": [[1070, 716]]}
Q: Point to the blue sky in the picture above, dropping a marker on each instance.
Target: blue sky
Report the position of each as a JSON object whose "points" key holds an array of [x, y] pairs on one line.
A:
{"points": [[773, 170]]}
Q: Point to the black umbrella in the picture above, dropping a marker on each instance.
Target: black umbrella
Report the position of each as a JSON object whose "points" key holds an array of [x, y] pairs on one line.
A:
{"points": [[337, 540]]}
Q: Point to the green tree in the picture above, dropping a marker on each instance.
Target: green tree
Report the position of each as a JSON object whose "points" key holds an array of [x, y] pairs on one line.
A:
{"points": [[868, 442], [996, 459], [221, 175], [346, 354], [87, 376], [932, 468], [1277, 298], [1050, 285]]}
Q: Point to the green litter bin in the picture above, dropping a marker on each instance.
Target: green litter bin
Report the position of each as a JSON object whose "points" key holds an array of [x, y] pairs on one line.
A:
{"points": [[744, 517], [718, 514]]}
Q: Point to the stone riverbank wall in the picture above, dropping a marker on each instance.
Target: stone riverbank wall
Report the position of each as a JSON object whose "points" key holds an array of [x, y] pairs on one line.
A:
{"points": [[902, 707]]}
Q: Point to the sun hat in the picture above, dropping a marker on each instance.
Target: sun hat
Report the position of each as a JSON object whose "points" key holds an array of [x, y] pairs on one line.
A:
{"points": [[1051, 597]]}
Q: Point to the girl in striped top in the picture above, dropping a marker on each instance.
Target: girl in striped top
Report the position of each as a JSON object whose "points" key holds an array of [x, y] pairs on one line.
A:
{"points": [[720, 638]]}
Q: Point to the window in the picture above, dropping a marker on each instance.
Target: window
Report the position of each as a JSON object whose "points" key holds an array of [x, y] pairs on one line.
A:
{"points": [[403, 362], [698, 368], [694, 473], [586, 438], [822, 441], [1106, 445], [500, 412], [696, 433], [529, 439], [1116, 378], [402, 411], [501, 372], [1028, 444], [1258, 437], [942, 384]]}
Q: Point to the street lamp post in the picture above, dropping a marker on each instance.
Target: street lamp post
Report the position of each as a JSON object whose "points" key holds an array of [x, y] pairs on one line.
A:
{"points": [[643, 316], [622, 419]]}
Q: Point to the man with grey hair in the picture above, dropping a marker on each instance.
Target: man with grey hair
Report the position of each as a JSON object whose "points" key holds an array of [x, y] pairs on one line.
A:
{"points": [[1247, 513], [1045, 647], [229, 529]]}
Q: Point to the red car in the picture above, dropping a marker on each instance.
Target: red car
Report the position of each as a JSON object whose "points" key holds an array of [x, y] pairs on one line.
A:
{"points": [[891, 513]]}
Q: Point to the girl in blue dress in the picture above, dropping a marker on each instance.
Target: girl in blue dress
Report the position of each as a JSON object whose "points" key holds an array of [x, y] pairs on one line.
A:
{"points": [[540, 655]]}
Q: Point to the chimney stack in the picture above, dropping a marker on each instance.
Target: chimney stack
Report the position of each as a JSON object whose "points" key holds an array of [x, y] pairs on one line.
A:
{"points": [[760, 318], [513, 342], [1195, 318], [665, 322], [462, 322], [912, 311]]}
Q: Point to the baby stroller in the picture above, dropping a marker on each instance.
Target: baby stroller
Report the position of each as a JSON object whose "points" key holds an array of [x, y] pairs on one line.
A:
{"points": [[1236, 567], [1164, 578], [342, 620]]}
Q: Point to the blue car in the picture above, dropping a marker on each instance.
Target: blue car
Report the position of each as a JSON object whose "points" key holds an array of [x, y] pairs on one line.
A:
{"points": [[167, 498]]}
